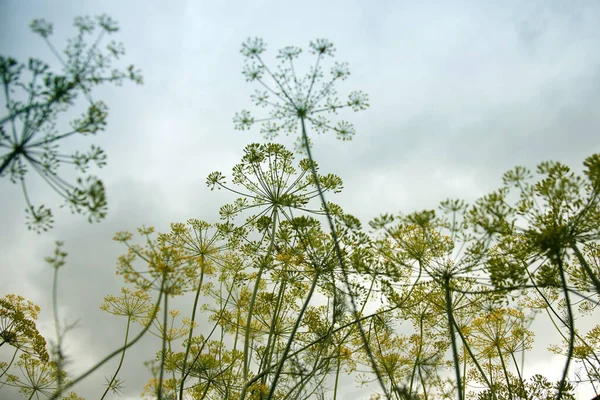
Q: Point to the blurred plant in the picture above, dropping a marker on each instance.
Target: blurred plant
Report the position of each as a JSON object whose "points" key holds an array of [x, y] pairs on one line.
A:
{"points": [[34, 97]]}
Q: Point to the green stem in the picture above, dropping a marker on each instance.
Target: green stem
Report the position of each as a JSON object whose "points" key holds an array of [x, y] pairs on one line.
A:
{"points": [[269, 348], [208, 338], [302, 383], [205, 391], [416, 366], [164, 347], [422, 379], [116, 352], [337, 377], [120, 361], [521, 381], [508, 385], [571, 326], [59, 361], [7, 160], [474, 359], [249, 323], [491, 375], [251, 308], [55, 304], [338, 252], [292, 334], [9, 364], [451, 323], [189, 342], [8, 101], [318, 340], [464, 371], [586, 267], [559, 318]]}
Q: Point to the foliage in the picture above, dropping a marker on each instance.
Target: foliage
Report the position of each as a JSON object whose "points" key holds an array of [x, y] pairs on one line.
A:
{"points": [[291, 294]]}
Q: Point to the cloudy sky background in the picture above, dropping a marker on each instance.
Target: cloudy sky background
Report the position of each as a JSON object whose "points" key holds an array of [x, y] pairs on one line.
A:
{"points": [[460, 91]]}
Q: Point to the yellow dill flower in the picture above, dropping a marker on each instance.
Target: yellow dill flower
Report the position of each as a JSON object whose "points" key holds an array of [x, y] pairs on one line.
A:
{"points": [[17, 326], [132, 304], [38, 377]]}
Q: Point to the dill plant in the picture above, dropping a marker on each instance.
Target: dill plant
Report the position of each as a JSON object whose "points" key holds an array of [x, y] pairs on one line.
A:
{"points": [[35, 97], [455, 290]]}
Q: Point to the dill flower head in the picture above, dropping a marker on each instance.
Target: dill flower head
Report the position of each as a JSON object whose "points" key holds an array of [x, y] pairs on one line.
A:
{"points": [[35, 98], [267, 178], [296, 101], [131, 304], [169, 266], [17, 326], [38, 377]]}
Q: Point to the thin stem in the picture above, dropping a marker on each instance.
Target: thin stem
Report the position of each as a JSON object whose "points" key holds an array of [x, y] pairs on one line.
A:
{"points": [[50, 139], [116, 352], [59, 361], [189, 342], [292, 334], [318, 340], [283, 91], [23, 110], [114, 377], [521, 381], [586, 267], [270, 347], [337, 376], [422, 379], [9, 364], [508, 384], [12, 121], [164, 347], [313, 79], [477, 365], [464, 383], [7, 160], [186, 374], [251, 307], [451, 323], [55, 52], [571, 326]]}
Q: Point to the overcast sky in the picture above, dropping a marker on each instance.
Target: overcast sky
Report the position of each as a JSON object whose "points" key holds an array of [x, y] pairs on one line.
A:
{"points": [[460, 91]]}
